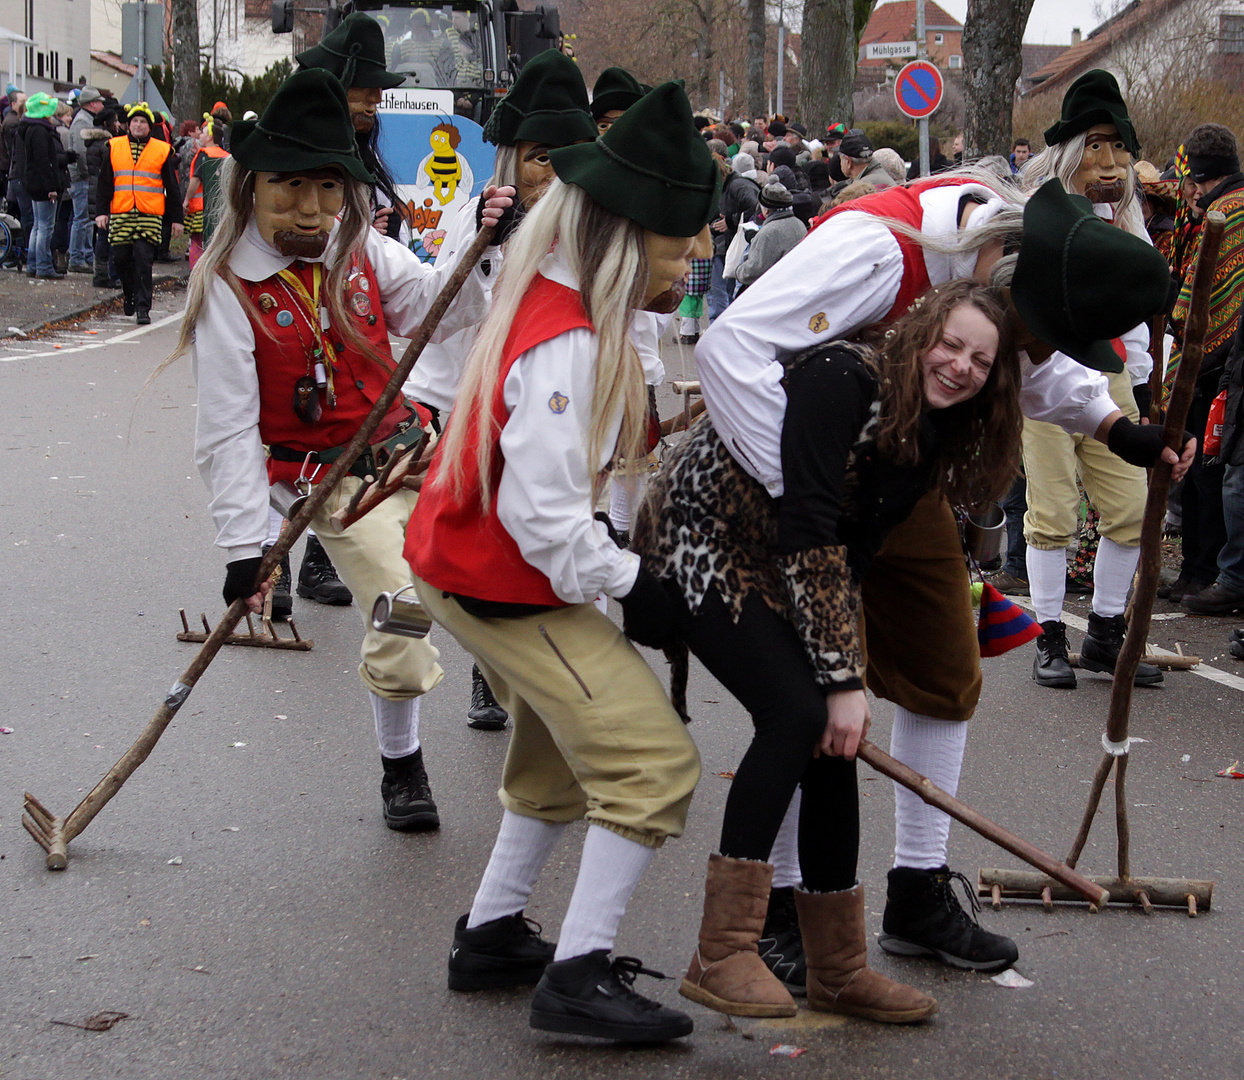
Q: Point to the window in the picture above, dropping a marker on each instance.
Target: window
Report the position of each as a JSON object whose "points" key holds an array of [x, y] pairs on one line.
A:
{"points": [[1231, 33], [39, 66], [956, 62], [68, 69], [939, 39]]}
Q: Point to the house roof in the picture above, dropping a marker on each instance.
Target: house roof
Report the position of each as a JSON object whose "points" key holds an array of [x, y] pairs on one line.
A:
{"points": [[896, 21], [113, 61], [1036, 57], [1098, 44]]}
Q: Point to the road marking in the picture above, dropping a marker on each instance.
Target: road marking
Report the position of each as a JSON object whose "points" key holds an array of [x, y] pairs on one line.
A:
{"points": [[1206, 671], [129, 335]]}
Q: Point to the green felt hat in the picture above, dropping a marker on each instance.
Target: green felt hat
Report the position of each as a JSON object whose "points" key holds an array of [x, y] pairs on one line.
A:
{"points": [[616, 88], [651, 166], [1094, 98], [354, 52], [1080, 281], [547, 104], [305, 126], [40, 106]]}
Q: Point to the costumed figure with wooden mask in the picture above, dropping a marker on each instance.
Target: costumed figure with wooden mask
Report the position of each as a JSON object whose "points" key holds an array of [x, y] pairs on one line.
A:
{"points": [[508, 557], [288, 320]]}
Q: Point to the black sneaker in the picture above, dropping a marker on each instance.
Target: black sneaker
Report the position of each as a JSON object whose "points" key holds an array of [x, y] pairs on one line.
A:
{"points": [[282, 599], [923, 917], [499, 954], [127, 305], [407, 796], [1051, 666], [144, 318], [317, 578], [781, 943], [1100, 651], [1237, 644], [592, 995], [484, 714]]}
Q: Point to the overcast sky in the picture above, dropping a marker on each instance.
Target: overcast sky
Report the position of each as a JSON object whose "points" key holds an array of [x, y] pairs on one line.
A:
{"points": [[1051, 21]]}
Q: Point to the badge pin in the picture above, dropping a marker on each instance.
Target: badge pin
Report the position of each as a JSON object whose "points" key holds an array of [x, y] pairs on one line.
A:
{"points": [[361, 304], [284, 318], [558, 403], [818, 324], [266, 302]]}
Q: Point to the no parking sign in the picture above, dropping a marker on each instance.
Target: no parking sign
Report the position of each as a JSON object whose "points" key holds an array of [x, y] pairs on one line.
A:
{"points": [[918, 89]]}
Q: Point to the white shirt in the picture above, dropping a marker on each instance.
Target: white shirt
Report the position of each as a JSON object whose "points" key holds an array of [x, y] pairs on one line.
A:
{"points": [[228, 449], [844, 276], [544, 498]]}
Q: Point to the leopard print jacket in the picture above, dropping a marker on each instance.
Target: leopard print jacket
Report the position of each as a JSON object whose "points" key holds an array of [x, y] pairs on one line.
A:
{"points": [[706, 523]]}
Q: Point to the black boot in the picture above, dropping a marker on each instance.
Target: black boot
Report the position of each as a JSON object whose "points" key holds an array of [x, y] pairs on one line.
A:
{"points": [[498, 954], [317, 579], [484, 714], [592, 995], [282, 600], [1100, 650], [923, 917], [408, 805], [781, 944], [1051, 666]]}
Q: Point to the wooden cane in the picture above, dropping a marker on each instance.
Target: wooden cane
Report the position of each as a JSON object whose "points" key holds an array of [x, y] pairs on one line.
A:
{"points": [[54, 833], [1157, 376], [1115, 739]]}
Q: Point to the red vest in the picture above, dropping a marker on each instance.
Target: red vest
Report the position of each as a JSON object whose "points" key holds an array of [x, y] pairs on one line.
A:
{"points": [[281, 353], [451, 542], [901, 204]]}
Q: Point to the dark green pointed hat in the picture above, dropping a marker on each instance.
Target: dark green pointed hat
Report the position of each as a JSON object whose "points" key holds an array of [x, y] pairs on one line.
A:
{"points": [[1080, 281], [1094, 98], [651, 166], [616, 88], [354, 52], [305, 126], [547, 104]]}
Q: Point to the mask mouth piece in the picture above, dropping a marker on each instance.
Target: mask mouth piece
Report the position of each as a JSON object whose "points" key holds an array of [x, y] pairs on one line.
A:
{"points": [[1104, 191], [300, 245]]}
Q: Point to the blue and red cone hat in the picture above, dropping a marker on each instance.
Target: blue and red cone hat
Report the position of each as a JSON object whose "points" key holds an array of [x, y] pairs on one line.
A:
{"points": [[1002, 625]]}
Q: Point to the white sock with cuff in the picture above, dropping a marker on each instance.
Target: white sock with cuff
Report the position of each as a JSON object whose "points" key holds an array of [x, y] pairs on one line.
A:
{"points": [[609, 870], [1047, 582], [785, 853], [523, 846], [934, 748], [397, 725], [1113, 570]]}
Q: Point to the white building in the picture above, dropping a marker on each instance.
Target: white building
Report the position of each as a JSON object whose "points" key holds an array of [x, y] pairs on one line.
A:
{"points": [[45, 46]]}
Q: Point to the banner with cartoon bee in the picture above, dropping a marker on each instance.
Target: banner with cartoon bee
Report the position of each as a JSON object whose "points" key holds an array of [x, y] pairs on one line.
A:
{"points": [[438, 160]]}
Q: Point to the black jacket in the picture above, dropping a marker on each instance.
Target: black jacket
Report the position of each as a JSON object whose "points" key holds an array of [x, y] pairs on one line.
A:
{"points": [[45, 158], [96, 140], [739, 197]]}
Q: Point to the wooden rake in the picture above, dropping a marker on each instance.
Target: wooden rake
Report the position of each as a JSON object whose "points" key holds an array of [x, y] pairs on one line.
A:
{"points": [[52, 832], [1186, 893]]}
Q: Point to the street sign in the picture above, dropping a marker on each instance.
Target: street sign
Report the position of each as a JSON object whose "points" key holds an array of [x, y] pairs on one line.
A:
{"points": [[152, 49], [889, 50], [918, 89]]}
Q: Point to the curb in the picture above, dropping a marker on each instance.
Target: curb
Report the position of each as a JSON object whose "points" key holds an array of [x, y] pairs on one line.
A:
{"points": [[35, 329]]}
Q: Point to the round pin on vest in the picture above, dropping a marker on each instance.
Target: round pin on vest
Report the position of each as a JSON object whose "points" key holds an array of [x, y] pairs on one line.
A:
{"points": [[284, 318]]}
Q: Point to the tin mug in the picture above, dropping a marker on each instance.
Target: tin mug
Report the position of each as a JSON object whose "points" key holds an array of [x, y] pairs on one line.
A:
{"points": [[393, 613], [983, 531], [285, 499]]}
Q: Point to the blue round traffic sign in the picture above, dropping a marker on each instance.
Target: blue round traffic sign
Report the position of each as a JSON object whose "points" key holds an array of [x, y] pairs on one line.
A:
{"points": [[918, 89]]}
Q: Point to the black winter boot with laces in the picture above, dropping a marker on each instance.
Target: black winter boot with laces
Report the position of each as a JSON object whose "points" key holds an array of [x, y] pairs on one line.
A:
{"points": [[317, 577], [1100, 651], [282, 598], [407, 796], [781, 944], [592, 995], [923, 917], [499, 954], [1052, 666], [484, 714]]}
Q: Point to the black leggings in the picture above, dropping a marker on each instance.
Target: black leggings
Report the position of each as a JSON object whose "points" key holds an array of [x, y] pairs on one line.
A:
{"points": [[761, 661]]}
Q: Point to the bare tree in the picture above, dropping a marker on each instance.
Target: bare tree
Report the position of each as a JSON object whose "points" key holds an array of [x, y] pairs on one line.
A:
{"points": [[186, 72], [992, 41], [755, 58], [827, 74]]}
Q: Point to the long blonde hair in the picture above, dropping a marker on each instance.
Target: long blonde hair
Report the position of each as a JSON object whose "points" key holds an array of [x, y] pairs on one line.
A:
{"points": [[234, 212], [606, 255]]}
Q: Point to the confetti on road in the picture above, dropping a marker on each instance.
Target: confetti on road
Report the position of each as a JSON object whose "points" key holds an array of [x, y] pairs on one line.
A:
{"points": [[1012, 979]]}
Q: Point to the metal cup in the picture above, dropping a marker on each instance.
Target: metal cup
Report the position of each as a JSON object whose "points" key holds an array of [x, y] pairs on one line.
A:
{"points": [[285, 499], [983, 532], [393, 613]]}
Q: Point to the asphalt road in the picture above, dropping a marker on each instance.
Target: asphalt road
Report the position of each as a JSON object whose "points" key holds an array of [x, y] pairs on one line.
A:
{"points": [[243, 903]]}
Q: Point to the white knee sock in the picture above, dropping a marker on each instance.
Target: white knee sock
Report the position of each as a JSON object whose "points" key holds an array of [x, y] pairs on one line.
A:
{"points": [[608, 873], [621, 490], [934, 748], [785, 854], [1112, 576], [397, 725], [275, 521], [523, 846], [1047, 582]]}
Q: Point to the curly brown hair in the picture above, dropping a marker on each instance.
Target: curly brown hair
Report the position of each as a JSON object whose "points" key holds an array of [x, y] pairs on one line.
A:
{"points": [[978, 452]]}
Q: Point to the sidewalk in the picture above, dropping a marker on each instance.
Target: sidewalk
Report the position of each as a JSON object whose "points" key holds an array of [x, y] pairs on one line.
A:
{"points": [[30, 304]]}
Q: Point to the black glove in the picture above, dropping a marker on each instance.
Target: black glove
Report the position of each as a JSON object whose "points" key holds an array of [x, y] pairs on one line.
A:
{"points": [[510, 218], [1144, 399], [1139, 444], [649, 612], [240, 579]]}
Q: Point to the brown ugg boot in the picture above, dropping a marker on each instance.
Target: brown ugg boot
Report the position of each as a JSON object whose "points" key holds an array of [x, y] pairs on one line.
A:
{"points": [[839, 978], [726, 971]]}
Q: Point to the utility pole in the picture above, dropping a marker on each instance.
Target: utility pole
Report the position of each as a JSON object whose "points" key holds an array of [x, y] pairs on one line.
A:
{"points": [[781, 58], [922, 52]]}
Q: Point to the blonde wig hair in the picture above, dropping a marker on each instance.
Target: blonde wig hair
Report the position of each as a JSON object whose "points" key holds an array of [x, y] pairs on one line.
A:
{"points": [[606, 255], [1062, 160]]}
